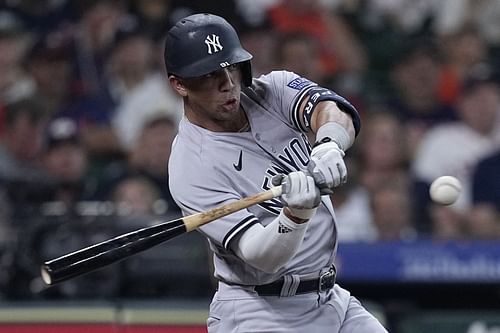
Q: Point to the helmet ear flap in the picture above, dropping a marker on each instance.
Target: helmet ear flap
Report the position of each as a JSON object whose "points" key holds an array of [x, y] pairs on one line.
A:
{"points": [[246, 70]]}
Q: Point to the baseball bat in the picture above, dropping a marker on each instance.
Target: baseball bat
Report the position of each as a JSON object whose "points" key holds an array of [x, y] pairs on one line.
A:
{"points": [[113, 250]]}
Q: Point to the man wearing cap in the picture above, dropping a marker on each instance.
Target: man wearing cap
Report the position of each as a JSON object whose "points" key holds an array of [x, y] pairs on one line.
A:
{"points": [[275, 262]]}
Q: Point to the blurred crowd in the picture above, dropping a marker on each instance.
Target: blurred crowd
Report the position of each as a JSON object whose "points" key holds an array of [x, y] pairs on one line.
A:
{"points": [[87, 117]]}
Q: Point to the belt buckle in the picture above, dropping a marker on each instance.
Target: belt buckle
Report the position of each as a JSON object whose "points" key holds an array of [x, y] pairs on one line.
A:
{"points": [[327, 280]]}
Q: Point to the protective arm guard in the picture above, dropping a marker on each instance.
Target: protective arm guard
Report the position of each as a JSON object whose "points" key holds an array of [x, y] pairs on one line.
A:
{"points": [[270, 248]]}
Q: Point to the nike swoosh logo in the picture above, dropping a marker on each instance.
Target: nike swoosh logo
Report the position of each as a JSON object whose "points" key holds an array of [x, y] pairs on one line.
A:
{"points": [[240, 162]]}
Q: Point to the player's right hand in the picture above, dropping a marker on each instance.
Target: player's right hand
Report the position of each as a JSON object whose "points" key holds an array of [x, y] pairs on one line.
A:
{"points": [[327, 166], [300, 194]]}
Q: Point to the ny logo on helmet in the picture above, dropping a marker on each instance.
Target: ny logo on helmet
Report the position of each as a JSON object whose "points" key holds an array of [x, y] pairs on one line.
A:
{"points": [[213, 44]]}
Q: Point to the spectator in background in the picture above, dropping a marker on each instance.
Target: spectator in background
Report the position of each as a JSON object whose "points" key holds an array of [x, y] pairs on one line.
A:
{"points": [[262, 43], [483, 218], [352, 206], [137, 196], [455, 148], [486, 181], [152, 150], [254, 13], [453, 15], [391, 210], [482, 221], [153, 16], [442, 223], [136, 86], [430, 17], [462, 51], [148, 158], [293, 50], [133, 90], [8, 240], [178, 269], [49, 63], [416, 100], [341, 52], [65, 163], [20, 156], [379, 159], [479, 222], [97, 24], [407, 16], [15, 83], [383, 153], [41, 16], [21, 144], [94, 33], [5, 232]]}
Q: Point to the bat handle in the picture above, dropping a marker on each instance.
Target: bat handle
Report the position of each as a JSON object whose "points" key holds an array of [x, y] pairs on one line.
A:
{"points": [[194, 221]]}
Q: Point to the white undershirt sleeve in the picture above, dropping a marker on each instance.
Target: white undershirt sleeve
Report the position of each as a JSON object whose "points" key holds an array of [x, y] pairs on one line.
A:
{"points": [[269, 248]]}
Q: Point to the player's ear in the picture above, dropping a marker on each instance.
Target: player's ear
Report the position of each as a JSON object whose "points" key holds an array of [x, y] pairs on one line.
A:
{"points": [[177, 85]]}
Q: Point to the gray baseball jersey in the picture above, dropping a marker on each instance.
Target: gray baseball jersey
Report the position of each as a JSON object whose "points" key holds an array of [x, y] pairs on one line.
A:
{"points": [[208, 169]]}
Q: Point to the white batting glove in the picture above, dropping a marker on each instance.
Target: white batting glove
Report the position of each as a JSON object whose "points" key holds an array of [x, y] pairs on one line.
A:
{"points": [[300, 194], [327, 166]]}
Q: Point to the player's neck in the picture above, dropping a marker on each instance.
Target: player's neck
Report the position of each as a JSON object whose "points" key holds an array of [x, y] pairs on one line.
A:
{"points": [[245, 128], [238, 123]]}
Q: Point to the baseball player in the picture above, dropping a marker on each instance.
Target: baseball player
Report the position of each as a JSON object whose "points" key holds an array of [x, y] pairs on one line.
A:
{"points": [[240, 136]]}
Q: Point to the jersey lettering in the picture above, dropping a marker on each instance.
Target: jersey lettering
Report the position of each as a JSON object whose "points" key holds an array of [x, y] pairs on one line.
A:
{"points": [[294, 158], [301, 155], [273, 206], [307, 113], [290, 165], [275, 169]]}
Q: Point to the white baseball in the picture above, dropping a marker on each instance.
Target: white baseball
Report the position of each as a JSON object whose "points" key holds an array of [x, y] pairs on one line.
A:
{"points": [[445, 190]]}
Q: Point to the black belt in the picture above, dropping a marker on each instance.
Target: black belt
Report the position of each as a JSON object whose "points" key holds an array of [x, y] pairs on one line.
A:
{"points": [[325, 282]]}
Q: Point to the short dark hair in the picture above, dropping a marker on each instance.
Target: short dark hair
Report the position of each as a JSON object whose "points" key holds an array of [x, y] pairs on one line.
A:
{"points": [[25, 107], [480, 75]]}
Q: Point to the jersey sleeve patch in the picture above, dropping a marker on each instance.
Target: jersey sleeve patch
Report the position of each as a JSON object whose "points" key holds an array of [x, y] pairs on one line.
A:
{"points": [[238, 228], [299, 83]]}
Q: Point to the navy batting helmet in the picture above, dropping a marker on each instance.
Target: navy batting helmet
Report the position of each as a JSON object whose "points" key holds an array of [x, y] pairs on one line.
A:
{"points": [[202, 43]]}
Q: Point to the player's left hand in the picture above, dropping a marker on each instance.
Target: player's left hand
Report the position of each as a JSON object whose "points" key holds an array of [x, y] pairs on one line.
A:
{"points": [[300, 194], [327, 166]]}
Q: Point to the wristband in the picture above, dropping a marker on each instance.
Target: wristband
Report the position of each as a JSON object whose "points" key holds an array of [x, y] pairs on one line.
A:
{"points": [[302, 213], [332, 131]]}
